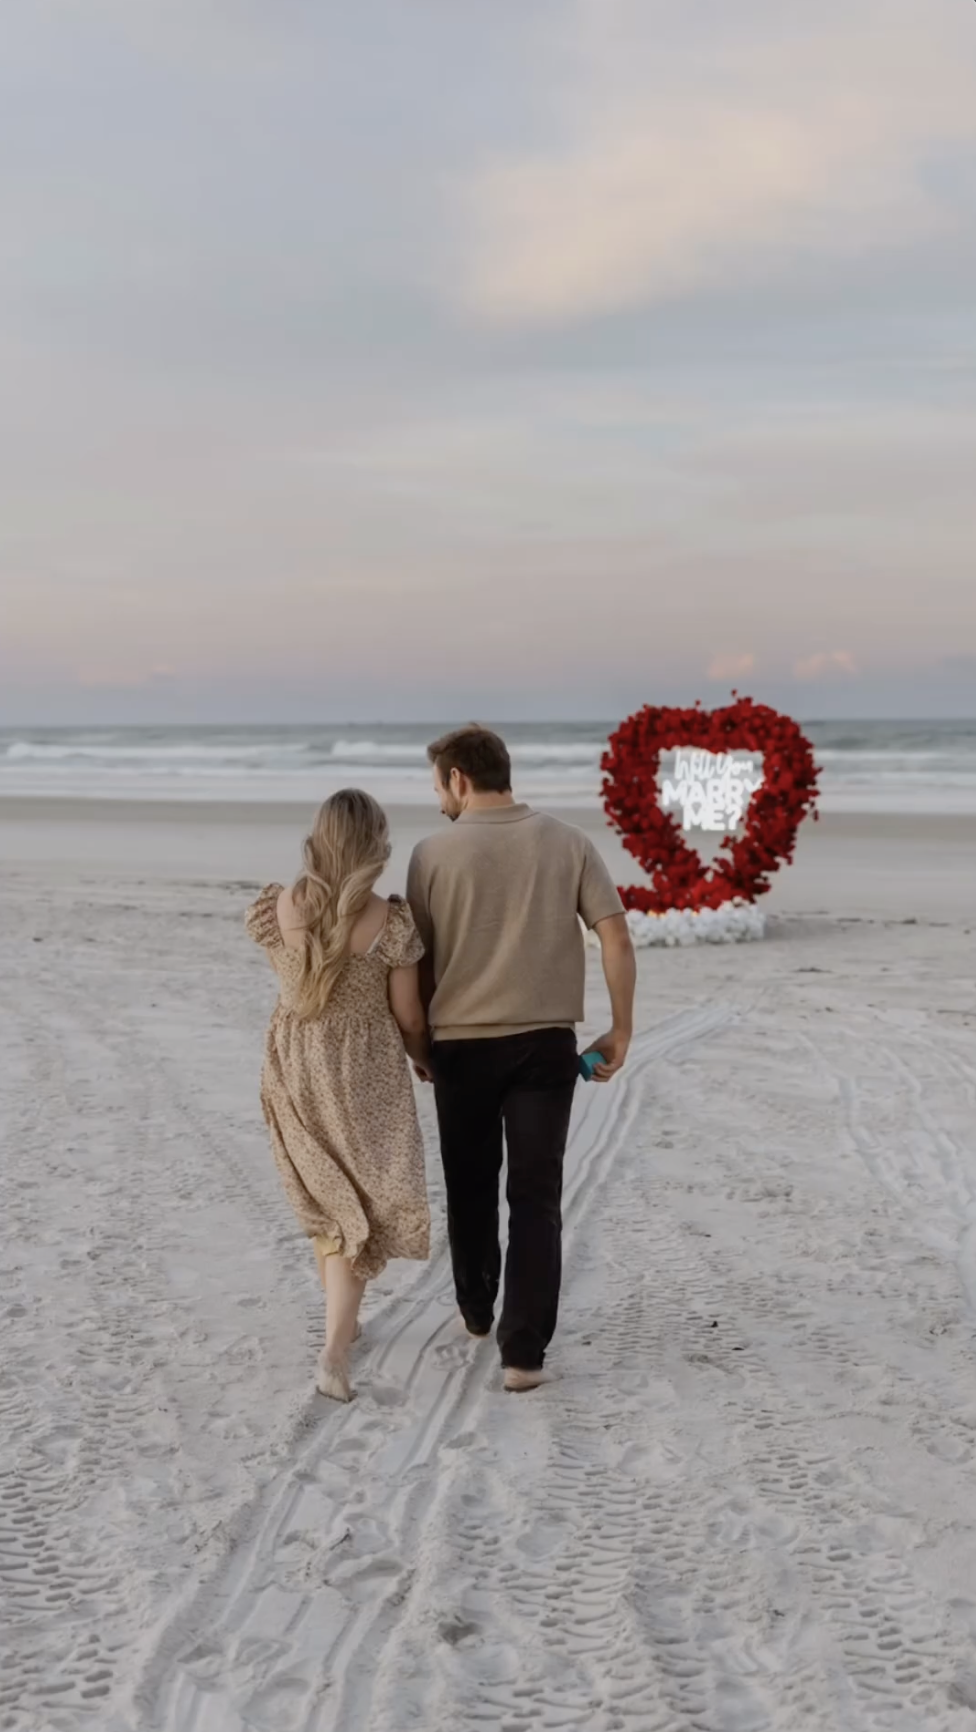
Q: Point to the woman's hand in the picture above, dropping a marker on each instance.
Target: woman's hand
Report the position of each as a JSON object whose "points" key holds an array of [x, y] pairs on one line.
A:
{"points": [[411, 1018]]}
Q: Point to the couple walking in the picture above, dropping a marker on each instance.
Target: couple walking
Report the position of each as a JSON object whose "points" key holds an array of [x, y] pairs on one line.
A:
{"points": [[477, 977]]}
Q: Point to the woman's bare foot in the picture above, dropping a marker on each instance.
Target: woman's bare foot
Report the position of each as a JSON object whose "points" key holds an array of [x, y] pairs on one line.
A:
{"points": [[343, 1296], [332, 1379]]}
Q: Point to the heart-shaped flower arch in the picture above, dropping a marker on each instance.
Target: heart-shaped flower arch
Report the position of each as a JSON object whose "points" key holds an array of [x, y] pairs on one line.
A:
{"points": [[741, 869]]}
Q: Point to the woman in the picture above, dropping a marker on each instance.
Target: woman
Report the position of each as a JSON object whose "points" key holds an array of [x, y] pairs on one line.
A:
{"points": [[336, 1089]]}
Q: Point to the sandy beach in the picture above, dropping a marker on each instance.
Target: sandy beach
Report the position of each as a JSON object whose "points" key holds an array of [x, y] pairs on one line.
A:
{"points": [[600, 373], [746, 1501], [869, 864]]}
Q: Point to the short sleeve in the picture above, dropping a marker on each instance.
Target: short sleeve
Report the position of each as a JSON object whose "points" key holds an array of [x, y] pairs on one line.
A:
{"points": [[400, 943], [419, 899], [261, 919], [599, 897]]}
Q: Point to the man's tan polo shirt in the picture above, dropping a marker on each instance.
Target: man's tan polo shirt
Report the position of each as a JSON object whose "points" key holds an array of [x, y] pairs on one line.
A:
{"points": [[498, 899]]}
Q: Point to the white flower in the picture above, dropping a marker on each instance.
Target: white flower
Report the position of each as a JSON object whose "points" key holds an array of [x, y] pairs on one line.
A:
{"points": [[734, 923]]}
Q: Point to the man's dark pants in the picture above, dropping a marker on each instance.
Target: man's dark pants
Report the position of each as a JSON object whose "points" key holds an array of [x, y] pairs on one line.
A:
{"points": [[522, 1084]]}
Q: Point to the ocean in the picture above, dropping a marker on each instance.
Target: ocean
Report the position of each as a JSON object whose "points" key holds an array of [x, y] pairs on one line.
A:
{"points": [[874, 766]]}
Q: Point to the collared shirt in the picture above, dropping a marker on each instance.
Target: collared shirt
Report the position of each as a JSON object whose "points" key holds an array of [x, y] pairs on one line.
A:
{"points": [[498, 898]]}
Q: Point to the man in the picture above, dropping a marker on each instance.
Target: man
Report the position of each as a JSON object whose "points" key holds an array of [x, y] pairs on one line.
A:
{"points": [[498, 900]]}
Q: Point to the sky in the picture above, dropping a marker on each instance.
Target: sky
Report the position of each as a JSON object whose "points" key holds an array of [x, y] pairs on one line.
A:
{"points": [[539, 359]]}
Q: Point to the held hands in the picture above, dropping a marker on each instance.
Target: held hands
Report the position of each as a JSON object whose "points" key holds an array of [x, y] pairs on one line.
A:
{"points": [[423, 1064], [613, 1050], [417, 1044]]}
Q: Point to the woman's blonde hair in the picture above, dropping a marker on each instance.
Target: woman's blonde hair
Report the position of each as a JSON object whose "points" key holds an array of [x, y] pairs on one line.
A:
{"points": [[345, 854]]}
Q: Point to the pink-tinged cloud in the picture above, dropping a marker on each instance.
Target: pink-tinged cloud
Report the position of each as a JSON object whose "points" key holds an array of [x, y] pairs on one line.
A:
{"points": [[826, 662], [647, 189], [731, 666]]}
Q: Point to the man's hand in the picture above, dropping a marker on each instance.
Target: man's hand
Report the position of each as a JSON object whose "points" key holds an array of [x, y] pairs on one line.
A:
{"points": [[620, 970], [423, 1073], [613, 1050]]}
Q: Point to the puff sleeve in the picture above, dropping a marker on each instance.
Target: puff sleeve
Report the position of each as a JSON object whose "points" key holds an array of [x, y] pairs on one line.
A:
{"points": [[261, 919], [400, 944]]}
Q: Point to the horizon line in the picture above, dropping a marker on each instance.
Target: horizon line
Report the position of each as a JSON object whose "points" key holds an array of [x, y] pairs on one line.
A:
{"points": [[435, 722]]}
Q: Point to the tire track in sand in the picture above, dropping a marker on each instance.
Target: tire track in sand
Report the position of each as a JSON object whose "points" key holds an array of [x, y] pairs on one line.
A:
{"points": [[288, 1636], [736, 1568]]}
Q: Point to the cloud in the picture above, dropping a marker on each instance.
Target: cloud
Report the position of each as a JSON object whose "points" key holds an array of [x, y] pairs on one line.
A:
{"points": [[825, 662], [229, 405], [667, 169], [730, 667]]}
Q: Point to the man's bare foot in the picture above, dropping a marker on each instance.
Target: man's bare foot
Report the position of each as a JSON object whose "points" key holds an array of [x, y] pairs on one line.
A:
{"points": [[475, 1334], [518, 1382]]}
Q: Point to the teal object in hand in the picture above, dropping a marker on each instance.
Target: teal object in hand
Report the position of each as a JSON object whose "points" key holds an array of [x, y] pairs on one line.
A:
{"points": [[588, 1063]]}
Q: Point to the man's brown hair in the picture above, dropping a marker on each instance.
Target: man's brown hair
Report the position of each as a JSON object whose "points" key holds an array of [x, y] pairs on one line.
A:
{"points": [[477, 753]]}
